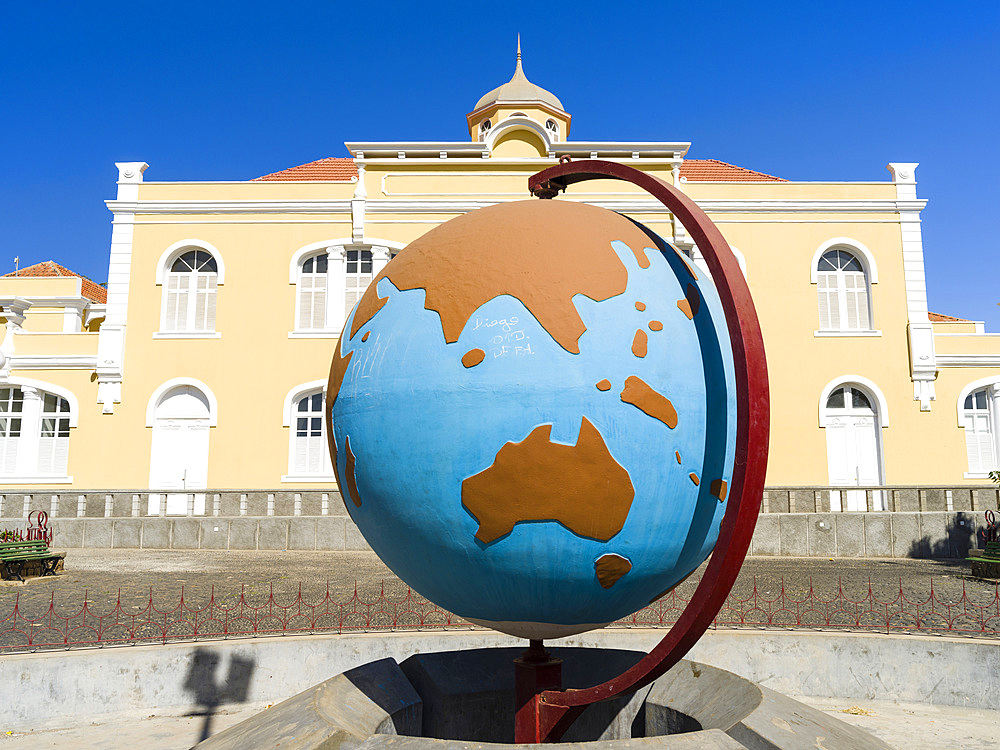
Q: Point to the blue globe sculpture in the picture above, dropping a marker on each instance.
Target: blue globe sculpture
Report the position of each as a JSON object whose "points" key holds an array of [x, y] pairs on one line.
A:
{"points": [[533, 416]]}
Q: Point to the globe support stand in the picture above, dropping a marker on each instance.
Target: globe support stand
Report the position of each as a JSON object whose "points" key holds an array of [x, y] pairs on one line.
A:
{"points": [[535, 671], [544, 712]]}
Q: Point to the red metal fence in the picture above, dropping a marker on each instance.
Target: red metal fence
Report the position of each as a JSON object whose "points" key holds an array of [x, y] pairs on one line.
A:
{"points": [[287, 614]]}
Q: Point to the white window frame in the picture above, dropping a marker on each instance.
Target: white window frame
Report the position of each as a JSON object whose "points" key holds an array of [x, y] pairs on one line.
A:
{"points": [[301, 291], [164, 275], [881, 410], [992, 387], [289, 417], [29, 443], [866, 260], [336, 285]]}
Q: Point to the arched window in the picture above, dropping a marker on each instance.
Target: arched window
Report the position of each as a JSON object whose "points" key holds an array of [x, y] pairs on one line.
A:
{"points": [[312, 292], [357, 276], [978, 418], [844, 300], [309, 454], [304, 415], [853, 445], [484, 129], [189, 293], [34, 432], [552, 128]]}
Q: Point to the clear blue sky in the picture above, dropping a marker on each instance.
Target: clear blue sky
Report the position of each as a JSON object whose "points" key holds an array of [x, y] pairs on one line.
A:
{"points": [[203, 91]]}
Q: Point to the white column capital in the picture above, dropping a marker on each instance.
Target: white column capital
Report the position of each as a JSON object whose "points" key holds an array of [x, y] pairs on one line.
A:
{"points": [[131, 171], [903, 172]]}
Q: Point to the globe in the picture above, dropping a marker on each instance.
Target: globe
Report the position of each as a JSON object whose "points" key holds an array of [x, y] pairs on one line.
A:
{"points": [[532, 415]]}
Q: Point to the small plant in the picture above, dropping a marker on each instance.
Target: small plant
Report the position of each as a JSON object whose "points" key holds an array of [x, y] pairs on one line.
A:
{"points": [[11, 535]]}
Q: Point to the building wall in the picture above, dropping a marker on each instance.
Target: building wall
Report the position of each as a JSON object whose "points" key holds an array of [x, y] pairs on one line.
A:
{"points": [[254, 359]]}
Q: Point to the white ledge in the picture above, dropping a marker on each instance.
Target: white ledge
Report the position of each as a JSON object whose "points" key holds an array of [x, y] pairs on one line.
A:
{"points": [[847, 334], [19, 480], [326, 334], [187, 335]]}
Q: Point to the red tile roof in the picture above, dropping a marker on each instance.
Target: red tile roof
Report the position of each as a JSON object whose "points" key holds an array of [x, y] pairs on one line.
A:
{"points": [[939, 318], [713, 170], [332, 169], [49, 268], [336, 169]]}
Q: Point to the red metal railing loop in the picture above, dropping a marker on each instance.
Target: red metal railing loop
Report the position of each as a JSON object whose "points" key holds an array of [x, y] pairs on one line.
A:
{"points": [[88, 625]]}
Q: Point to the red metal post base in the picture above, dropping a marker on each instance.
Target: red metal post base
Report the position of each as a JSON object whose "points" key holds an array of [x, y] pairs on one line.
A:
{"points": [[534, 671]]}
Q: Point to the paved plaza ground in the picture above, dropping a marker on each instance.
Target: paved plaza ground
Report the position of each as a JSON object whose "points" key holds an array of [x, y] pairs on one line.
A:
{"points": [[99, 577]]}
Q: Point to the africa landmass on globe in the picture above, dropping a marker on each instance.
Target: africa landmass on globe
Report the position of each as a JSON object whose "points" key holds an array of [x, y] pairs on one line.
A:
{"points": [[570, 456]]}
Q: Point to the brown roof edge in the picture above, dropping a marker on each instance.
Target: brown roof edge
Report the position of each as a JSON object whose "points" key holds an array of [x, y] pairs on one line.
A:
{"points": [[939, 318], [714, 170], [50, 269], [330, 169]]}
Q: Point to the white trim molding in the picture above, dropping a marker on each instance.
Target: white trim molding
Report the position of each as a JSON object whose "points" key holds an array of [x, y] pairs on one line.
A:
{"points": [[54, 362], [295, 394], [845, 334], [866, 384], [865, 256], [344, 243], [187, 334], [968, 360], [154, 399], [58, 390], [975, 385], [175, 249]]}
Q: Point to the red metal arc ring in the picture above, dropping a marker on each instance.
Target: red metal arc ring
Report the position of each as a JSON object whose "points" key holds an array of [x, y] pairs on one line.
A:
{"points": [[556, 710]]}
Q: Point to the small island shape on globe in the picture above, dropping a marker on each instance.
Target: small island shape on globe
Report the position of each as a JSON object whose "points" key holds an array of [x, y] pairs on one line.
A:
{"points": [[532, 414]]}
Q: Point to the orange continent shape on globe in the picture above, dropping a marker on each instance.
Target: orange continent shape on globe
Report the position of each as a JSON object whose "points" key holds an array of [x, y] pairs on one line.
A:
{"points": [[542, 252], [581, 486]]}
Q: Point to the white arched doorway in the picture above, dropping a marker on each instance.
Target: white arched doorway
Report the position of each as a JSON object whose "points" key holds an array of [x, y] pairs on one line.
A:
{"points": [[178, 458], [853, 446]]}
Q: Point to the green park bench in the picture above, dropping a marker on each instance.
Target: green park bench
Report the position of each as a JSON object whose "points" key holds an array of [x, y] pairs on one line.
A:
{"points": [[986, 564], [14, 556]]}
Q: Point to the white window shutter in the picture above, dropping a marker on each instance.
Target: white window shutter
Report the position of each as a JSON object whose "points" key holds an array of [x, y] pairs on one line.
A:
{"points": [[318, 311], [8, 455]]}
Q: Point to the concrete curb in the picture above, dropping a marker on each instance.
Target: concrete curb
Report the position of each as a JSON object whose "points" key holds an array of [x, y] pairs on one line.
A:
{"points": [[72, 685]]}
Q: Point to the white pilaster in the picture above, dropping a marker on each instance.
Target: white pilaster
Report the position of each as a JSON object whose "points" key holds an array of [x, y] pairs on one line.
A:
{"points": [[111, 338], [336, 271], [358, 207], [13, 309], [31, 425], [380, 258], [923, 362]]}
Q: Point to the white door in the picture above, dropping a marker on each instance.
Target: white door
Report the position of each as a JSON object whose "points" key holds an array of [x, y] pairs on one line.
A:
{"points": [[852, 449], [179, 455]]}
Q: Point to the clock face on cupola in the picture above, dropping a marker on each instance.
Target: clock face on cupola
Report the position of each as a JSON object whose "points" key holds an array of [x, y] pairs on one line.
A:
{"points": [[519, 106]]}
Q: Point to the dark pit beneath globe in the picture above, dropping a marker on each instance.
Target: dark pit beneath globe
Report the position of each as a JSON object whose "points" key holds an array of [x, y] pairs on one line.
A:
{"points": [[526, 401]]}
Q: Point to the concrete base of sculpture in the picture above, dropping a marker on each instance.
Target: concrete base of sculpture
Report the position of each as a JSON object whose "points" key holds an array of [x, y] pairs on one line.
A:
{"points": [[462, 699]]}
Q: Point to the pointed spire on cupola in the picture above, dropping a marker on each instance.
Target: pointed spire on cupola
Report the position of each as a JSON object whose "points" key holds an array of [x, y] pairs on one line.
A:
{"points": [[519, 89]]}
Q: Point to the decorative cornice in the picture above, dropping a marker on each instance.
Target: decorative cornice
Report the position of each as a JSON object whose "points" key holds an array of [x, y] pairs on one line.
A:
{"points": [[968, 360], [431, 205], [229, 207], [54, 362]]}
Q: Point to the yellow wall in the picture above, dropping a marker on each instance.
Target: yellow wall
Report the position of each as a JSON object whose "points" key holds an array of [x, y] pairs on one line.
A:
{"points": [[254, 363]]}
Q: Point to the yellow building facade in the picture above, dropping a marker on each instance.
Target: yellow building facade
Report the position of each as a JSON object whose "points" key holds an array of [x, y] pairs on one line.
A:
{"points": [[205, 366]]}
